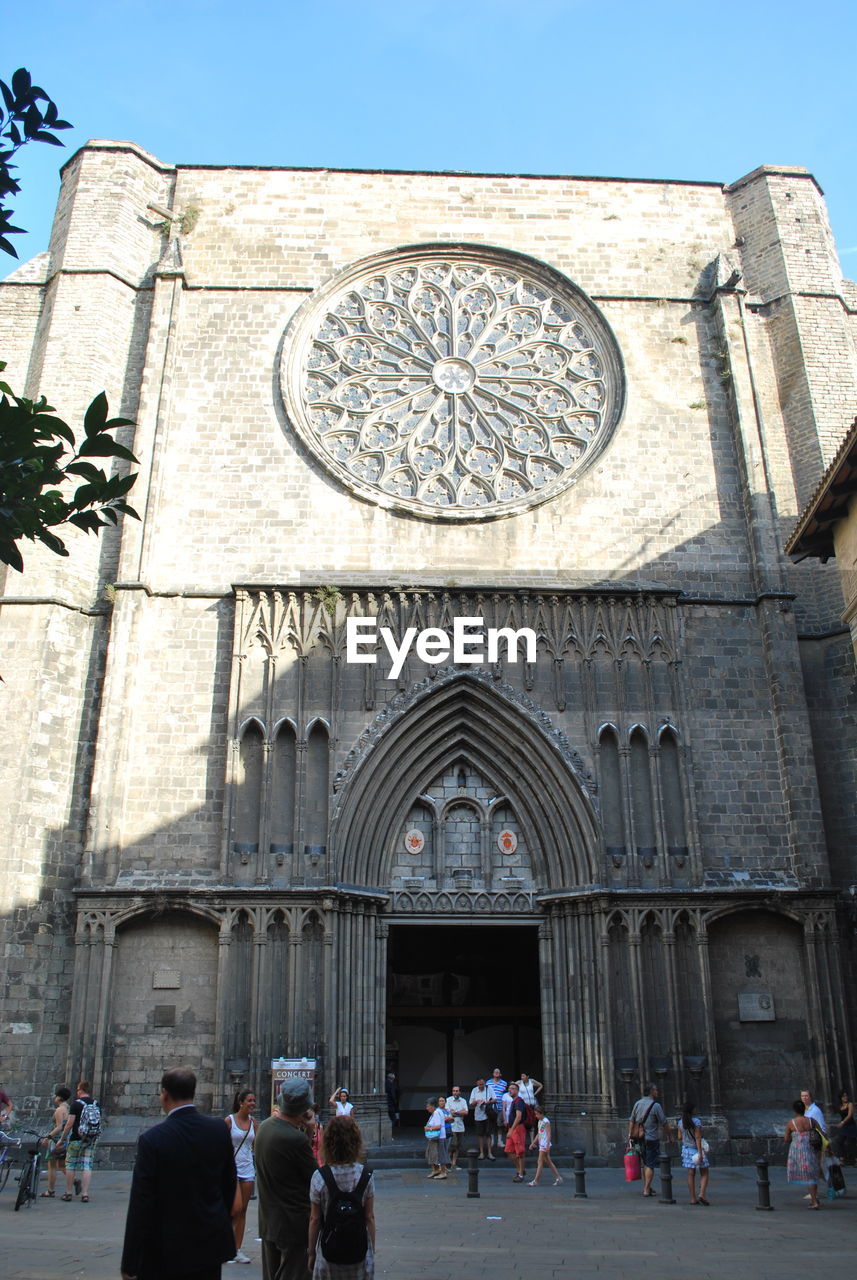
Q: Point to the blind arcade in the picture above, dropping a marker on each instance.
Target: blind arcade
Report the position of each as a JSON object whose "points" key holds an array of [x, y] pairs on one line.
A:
{"points": [[471, 642]]}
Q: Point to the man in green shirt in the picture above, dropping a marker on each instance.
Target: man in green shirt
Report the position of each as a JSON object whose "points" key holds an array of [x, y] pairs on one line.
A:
{"points": [[284, 1166]]}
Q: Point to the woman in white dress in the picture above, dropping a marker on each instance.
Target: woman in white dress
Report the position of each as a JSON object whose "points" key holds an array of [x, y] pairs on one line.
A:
{"points": [[242, 1130]]}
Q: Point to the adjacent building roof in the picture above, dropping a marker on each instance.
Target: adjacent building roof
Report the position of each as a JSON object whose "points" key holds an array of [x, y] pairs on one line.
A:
{"points": [[813, 535]]}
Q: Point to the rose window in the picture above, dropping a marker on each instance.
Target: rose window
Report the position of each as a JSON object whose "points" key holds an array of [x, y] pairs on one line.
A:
{"points": [[460, 384]]}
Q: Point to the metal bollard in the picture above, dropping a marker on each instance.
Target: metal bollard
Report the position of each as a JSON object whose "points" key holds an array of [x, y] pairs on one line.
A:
{"points": [[579, 1176], [472, 1175], [763, 1185], [667, 1181]]}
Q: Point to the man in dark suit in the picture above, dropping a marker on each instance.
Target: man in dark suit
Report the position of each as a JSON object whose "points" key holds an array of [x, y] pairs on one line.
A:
{"points": [[179, 1223]]}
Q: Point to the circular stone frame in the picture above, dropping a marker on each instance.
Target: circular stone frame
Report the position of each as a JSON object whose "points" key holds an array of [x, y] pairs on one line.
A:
{"points": [[452, 382]]}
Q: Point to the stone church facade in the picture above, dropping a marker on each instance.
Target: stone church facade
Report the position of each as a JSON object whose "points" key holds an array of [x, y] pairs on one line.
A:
{"points": [[586, 410]]}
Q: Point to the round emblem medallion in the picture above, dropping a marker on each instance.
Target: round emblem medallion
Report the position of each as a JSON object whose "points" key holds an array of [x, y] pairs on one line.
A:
{"points": [[507, 842], [415, 841], [463, 384]]}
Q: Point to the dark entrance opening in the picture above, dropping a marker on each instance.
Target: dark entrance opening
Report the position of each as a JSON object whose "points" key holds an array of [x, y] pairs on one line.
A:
{"points": [[461, 1000]]}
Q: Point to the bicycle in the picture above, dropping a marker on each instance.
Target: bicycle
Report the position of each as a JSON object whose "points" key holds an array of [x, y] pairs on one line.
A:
{"points": [[6, 1146], [28, 1181]]}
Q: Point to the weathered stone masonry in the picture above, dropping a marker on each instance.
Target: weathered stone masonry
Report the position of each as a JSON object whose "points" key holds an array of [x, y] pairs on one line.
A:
{"points": [[205, 855]]}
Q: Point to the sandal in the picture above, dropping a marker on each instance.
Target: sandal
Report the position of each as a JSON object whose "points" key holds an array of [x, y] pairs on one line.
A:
{"points": [[66, 1197], [84, 1199], [48, 1195]]}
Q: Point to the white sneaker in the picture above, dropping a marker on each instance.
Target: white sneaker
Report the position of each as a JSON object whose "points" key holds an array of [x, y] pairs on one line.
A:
{"points": [[241, 1257]]}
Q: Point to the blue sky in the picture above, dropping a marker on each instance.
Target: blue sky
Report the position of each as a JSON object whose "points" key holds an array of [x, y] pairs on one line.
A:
{"points": [[604, 87]]}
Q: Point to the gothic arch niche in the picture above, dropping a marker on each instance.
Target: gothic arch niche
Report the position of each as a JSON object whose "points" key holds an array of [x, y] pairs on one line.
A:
{"points": [[761, 1020], [162, 1004], [463, 717], [237, 1028]]}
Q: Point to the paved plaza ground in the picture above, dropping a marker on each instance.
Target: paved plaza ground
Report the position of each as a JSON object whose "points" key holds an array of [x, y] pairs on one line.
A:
{"points": [[432, 1231]]}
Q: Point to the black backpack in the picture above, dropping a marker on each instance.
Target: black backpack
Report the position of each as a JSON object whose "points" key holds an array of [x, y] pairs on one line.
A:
{"points": [[344, 1237]]}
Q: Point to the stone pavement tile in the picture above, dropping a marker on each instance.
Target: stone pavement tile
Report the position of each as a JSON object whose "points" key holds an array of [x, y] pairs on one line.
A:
{"points": [[431, 1231]]}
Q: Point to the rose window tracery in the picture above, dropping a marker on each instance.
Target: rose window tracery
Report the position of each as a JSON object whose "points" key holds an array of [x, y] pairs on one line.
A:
{"points": [[460, 384]]}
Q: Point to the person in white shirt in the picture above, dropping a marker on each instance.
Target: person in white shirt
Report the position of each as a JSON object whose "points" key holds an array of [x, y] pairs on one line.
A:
{"points": [[435, 1132], [529, 1089], [498, 1086], [339, 1100], [457, 1109], [479, 1095], [812, 1110]]}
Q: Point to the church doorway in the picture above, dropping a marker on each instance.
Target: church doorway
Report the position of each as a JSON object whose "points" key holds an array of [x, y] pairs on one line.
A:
{"points": [[461, 1000]]}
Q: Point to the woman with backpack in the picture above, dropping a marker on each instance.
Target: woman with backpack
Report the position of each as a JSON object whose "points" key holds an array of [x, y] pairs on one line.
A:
{"points": [[342, 1216], [242, 1130]]}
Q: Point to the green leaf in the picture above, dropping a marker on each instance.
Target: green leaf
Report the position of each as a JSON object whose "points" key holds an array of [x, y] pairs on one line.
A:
{"points": [[86, 520], [21, 83], [52, 542], [104, 447], [125, 509], [44, 136], [9, 553], [87, 470], [95, 418]]}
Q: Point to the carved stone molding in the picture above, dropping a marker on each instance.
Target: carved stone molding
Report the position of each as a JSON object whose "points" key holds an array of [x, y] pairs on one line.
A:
{"points": [[402, 703], [477, 902]]}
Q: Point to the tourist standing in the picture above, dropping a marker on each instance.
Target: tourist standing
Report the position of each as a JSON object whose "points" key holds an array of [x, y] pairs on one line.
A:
{"points": [[647, 1118], [480, 1096], [339, 1100], [528, 1091], [693, 1156], [178, 1222], [81, 1132], [494, 1109], [812, 1110], [457, 1109], [284, 1168], [6, 1109], [802, 1165], [56, 1148], [846, 1130], [435, 1131], [516, 1134], [391, 1089], [342, 1146], [242, 1131]]}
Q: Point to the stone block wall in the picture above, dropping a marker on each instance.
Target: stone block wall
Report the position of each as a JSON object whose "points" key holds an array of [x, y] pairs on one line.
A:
{"points": [[119, 734]]}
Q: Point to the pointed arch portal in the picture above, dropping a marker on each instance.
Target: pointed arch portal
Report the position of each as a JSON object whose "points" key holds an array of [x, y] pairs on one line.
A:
{"points": [[467, 717], [468, 976]]}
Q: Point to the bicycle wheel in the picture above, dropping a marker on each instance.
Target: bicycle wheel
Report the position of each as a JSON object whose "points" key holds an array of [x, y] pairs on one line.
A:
{"points": [[25, 1195], [5, 1168]]}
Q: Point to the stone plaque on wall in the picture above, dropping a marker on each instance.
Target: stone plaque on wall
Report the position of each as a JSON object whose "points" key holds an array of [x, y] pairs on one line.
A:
{"points": [[757, 1006], [166, 978]]}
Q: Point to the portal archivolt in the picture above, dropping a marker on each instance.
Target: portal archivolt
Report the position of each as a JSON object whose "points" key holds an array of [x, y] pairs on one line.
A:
{"points": [[465, 725]]}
